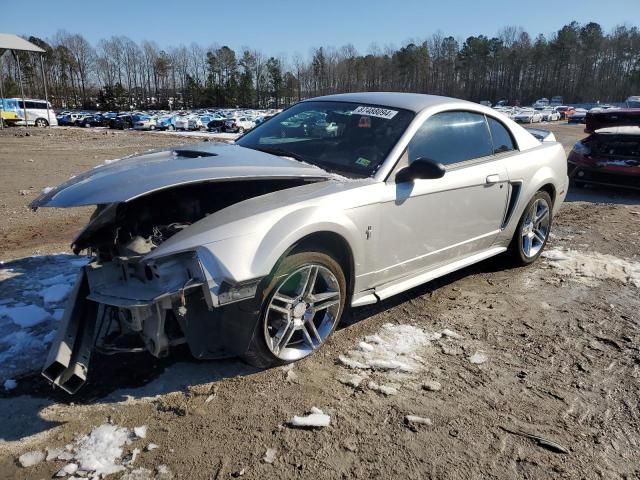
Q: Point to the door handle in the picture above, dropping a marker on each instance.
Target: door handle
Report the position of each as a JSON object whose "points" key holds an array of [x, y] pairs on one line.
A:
{"points": [[495, 178]]}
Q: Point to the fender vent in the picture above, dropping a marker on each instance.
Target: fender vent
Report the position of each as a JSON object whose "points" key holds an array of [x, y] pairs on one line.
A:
{"points": [[513, 199]]}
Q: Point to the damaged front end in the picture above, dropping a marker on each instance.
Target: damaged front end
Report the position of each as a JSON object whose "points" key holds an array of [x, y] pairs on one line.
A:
{"points": [[127, 299], [132, 305]]}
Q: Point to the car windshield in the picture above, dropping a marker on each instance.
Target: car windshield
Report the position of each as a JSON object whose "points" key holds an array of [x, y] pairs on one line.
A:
{"points": [[351, 139]]}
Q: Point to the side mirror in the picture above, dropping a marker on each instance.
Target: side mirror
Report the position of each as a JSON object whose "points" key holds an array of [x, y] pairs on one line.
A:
{"points": [[420, 168]]}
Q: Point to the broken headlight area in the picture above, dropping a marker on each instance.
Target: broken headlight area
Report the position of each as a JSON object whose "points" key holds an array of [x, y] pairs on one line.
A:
{"points": [[128, 304]]}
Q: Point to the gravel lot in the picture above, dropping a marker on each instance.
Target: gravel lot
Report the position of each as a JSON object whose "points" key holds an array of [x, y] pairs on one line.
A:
{"points": [[521, 372]]}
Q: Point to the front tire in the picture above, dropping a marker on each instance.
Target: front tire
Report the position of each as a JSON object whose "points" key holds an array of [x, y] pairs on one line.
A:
{"points": [[301, 306], [533, 230]]}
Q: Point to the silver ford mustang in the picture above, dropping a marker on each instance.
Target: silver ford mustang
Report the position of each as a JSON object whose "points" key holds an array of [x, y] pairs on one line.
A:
{"points": [[256, 249]]}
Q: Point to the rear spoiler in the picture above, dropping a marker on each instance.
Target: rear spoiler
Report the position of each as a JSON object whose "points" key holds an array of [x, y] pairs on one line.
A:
{"points": [[542, 135]]}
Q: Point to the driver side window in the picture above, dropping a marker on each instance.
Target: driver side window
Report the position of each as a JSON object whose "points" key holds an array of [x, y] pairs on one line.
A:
{"points": [[451, 137]]}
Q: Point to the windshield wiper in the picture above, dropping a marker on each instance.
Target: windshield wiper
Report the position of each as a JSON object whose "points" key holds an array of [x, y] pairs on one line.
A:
{"points": [[281, 152]]}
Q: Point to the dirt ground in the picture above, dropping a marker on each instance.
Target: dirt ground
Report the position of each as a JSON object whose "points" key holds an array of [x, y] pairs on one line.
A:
{"points": [[542, 381]]}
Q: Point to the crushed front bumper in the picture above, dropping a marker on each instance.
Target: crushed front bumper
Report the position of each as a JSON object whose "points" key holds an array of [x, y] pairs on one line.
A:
{"points": [[215, 318]]}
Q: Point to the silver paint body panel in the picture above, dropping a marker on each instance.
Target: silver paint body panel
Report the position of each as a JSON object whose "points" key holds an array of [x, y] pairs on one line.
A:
{"points": [[399, 235]]}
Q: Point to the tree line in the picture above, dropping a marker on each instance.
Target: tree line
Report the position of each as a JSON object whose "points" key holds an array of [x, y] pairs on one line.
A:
{"points": [[580, 62]]}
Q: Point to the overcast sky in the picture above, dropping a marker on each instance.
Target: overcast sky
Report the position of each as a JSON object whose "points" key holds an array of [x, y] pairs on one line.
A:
{"points": [[284, 27]]}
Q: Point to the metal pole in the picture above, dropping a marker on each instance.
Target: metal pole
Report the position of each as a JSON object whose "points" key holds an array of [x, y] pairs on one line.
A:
{"points": [[24, 103], [1, 92], [46, 96]]}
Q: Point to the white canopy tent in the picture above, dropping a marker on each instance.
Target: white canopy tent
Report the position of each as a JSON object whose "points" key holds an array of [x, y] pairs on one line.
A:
{"points": [[14, 43]]}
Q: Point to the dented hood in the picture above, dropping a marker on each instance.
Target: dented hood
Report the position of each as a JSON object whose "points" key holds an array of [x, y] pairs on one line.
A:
{"points": [[132, 177], [615, 117]]}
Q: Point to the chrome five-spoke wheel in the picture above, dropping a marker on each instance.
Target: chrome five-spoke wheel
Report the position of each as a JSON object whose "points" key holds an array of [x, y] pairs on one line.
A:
{"points": [[302, 312], [535, 228]]}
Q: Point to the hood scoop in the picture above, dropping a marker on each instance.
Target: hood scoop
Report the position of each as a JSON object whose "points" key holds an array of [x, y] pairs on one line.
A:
{"points": [[193, 154]]}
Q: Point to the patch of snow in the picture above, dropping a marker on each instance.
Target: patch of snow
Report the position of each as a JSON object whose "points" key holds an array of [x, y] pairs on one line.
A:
{"points": [[10, 384], [138, 474], [52, 453], [151, 446], [30, 459], [270, 455], [384, 389], [56, 293], [100, 451], [27, 316], [140, 432], [68, 469], [478, 358], [415, 419], [451, 334], [352, 379], [316, 418], [432, 386], [35, 287], [393, 348], [593, 267]]}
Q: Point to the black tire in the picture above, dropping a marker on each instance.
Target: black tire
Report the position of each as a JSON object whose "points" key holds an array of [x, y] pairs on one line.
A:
{"points": [[258, 353], [41, 123], [516, 250]]}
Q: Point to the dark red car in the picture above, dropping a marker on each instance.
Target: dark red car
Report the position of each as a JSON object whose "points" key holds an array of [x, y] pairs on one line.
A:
{"points": [[610, 155]]}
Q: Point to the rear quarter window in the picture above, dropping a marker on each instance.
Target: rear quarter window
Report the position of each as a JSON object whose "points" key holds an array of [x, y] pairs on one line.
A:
{"points": [[501, 137]]}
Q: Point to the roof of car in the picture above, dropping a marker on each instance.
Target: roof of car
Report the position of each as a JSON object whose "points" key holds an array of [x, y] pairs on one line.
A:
{"points": [[415, 102]]}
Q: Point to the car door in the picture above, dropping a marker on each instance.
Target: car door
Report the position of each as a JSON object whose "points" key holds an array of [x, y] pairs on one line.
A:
{"points": [[427, 223]]}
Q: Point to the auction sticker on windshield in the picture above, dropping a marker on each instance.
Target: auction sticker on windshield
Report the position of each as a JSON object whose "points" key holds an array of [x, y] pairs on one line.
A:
{"points": [[375, 112]]}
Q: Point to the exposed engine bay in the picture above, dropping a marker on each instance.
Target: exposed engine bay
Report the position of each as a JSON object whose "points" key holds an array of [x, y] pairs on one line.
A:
{"points": [[137, 227]]}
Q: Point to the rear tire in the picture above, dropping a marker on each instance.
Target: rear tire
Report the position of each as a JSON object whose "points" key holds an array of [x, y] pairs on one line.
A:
{"points": [[41, 123], [301, 305], [533, 230]]}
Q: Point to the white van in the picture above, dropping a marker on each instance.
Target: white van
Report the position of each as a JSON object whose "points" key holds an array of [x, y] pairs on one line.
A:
{"points": [[36, 111]]}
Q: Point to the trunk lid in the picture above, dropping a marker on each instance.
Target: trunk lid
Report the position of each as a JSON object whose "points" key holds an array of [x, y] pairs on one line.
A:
{"points": [[618, 117]]}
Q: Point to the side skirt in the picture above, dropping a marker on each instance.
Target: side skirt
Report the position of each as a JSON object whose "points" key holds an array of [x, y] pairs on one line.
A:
{"points": [[399, 286]]}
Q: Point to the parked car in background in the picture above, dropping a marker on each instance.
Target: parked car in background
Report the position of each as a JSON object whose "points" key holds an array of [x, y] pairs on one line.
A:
{"points": [[39, 112], [181, 122], [610, 155], [122, 122], [256, 249], [633, 101], [166, 122], [145, 122], [579, 115], [216, 124], [541, 103], [90, 121], [238, 125], [550, 115], [565, 111], [527, 115], [556, 101]]}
